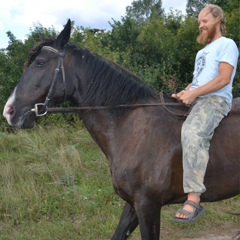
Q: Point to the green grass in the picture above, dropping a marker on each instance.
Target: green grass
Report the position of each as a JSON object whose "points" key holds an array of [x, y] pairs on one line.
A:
{"points": [[56, 184]]}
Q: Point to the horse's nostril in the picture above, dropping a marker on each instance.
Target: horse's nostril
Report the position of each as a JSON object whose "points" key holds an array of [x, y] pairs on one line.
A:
{"points": [[10, 110]]}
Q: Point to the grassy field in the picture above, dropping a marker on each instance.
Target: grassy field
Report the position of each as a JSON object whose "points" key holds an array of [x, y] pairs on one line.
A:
{"points": [[56, 185]]}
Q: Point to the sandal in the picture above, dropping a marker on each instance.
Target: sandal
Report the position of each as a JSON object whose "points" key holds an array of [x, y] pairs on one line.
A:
{"points": [[192, 217]]}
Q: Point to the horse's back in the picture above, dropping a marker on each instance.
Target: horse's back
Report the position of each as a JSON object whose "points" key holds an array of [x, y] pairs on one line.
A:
{"points": [[224, 163], [226, 138], [231, 123], [236, 104]]}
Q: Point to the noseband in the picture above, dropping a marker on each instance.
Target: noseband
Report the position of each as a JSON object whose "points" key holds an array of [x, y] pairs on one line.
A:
{"points": [[40, 107]]}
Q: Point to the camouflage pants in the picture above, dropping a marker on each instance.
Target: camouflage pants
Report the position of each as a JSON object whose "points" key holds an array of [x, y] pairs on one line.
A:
{"points": [[197, 131]]}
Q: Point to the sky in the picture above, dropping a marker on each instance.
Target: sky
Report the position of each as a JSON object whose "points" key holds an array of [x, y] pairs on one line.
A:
{"points": [[18, 16]]}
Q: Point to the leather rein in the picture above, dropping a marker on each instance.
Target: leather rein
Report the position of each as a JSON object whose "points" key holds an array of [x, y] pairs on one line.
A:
{"points": [[42, 109]]}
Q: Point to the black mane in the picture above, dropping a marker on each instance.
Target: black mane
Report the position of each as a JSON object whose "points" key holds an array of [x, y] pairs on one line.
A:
{"points": [[108, 83], [111, 84]]}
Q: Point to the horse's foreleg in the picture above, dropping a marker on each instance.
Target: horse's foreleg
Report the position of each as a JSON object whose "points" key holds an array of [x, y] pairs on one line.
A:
{"points": [[127, 224], [148, 214]]}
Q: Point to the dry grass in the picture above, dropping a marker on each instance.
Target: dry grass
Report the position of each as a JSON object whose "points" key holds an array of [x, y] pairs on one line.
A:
{"points": [[56, 184]]}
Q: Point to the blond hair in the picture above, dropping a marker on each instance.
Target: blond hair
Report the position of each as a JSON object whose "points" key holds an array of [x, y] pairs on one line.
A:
{"points": [[218, 14]]}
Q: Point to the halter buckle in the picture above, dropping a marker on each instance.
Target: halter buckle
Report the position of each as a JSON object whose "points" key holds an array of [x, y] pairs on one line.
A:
{"points": [[39, 107]]}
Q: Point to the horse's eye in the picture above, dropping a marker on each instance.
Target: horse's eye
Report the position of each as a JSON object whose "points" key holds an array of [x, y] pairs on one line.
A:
{"points": [[40, 63]]}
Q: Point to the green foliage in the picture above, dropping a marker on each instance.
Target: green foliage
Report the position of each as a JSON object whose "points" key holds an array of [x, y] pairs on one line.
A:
{"points": [[142, 10], [157, 46], [56, 183], [195, 6], [233, 22], [186, 49], [124, 34]]}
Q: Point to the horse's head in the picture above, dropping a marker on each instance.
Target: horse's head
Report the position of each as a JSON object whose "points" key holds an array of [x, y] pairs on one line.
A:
{"points": [[43, 79]]}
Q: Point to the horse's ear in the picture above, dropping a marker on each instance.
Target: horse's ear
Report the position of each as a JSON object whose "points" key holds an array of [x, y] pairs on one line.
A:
{"points": [[64, 36]]}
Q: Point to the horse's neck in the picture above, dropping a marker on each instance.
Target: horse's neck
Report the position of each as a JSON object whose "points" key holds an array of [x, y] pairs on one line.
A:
{"points": [[101, 127]]}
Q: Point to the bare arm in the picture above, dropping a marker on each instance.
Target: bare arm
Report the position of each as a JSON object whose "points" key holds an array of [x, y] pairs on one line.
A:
{"points": [[223, 79], [188, 87]]}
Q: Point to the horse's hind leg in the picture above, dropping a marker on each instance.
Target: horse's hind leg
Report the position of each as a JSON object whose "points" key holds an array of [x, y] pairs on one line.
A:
{"points": [[127, 224]]}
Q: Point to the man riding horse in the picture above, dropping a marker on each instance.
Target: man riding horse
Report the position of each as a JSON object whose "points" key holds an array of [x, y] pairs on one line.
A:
{"points": [[210, 95]]}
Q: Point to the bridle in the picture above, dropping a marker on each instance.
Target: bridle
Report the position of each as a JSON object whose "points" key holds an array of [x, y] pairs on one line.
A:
{"points": [[42, 109], [44, 106]]}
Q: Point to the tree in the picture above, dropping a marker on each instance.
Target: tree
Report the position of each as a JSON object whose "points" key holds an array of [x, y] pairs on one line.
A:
{"points": [[195, 6], [158, 47], [12, 38], [142, 10], [124, 34], [187, 48], [78, 35]]}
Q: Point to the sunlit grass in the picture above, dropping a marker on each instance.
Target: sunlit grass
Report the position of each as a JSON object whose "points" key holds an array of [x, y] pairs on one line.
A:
{"points": [[56, 184]]}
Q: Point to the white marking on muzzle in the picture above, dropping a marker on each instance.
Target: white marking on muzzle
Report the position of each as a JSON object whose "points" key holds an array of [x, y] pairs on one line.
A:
{"points": [[8, 106]]}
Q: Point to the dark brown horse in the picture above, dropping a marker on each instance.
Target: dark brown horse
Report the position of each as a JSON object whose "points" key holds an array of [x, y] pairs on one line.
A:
{"points": [[138, 131]]}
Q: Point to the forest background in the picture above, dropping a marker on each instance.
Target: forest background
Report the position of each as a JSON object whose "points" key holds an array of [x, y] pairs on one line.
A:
{"points": [[159, 47]]}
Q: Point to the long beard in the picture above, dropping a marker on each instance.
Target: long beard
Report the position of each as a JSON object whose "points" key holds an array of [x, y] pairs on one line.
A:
{"points": [[207, 36]]}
